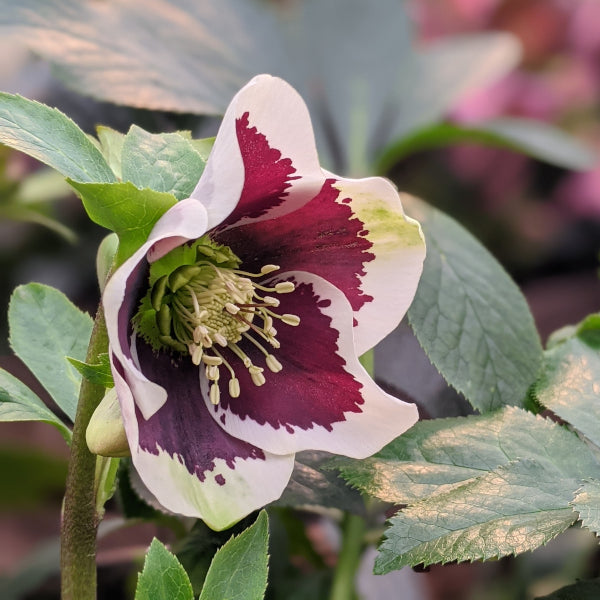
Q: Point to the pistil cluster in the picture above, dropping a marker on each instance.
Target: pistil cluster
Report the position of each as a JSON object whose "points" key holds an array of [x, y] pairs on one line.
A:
{"points": [[204, 307]]}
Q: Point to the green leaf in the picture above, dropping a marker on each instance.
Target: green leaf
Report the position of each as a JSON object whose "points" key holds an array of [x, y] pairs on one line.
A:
{"points": [[130, 58], [437, 456], [312, 484], [582, 590], [515, 508], [111, 145], [165, 162], [239, 569], [172, 55], [587, 504], [470, 317], [48, 135], [19, 403], [570, 381], [197, 549], [45, 328], [99, 374], [163, 577], [123, 208], [539, 140]]}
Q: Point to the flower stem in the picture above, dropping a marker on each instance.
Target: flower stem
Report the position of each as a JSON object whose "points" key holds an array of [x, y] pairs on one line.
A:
{"points": [[343, 587], [80, 519]]}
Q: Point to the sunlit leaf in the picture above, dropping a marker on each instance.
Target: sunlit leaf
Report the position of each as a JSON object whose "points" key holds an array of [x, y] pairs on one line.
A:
{"points": [[570, 381], [438, 455], [587, 504], [512, 509]]}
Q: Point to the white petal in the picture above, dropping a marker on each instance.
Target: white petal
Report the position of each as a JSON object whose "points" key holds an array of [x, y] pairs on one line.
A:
{"points": [[322, 399]]}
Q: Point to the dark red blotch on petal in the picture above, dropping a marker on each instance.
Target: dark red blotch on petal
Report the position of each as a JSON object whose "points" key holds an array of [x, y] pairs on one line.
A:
{"points": [[323, 237], [183, 427], [313, 388], [267, 174]]}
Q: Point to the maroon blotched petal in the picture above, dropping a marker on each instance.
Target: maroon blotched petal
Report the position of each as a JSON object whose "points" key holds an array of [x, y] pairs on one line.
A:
{"points": [[322, 399], [189, 463], [323, 237], [186, 220], [264, 161], [354, 233]]}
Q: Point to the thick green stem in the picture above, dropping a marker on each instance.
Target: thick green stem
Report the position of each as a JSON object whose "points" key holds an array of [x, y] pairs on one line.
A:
{"points": [[343, 587], [80, 519]]}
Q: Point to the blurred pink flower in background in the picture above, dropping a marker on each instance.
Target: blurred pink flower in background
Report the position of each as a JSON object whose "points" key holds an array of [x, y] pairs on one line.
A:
{"points": [[558, 82]]}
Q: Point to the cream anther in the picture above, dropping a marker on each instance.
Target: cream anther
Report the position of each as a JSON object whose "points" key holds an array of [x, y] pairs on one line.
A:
{"points": [[234, 387], [274, 365], [212, 360], [215, 394], [269, 269], [272, 301], [212, 372], [256, 374], [232, 309], [288, 319], [197, 353], [284, 287]]}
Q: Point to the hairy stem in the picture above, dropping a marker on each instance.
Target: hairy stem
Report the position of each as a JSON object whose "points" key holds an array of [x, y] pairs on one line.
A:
{"points": [[343, 587], [80, 519]]}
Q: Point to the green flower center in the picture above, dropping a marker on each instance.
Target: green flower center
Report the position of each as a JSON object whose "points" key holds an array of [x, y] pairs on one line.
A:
{"points": [[199, 302]]}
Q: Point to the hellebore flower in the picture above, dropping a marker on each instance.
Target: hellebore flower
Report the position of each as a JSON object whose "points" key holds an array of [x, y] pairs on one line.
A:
{"points": [[235, 329]]}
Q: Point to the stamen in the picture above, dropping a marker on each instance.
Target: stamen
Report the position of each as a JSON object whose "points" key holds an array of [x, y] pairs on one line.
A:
{"points": [[215, 394], [268, 269], [256, 374], [234, 387], [284, 287], [201, 308], [288, 319], [212, 360], [273, 364]]}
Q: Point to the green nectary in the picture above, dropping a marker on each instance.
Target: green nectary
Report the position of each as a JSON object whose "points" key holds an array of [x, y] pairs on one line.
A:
{"points": [[199, 303]]}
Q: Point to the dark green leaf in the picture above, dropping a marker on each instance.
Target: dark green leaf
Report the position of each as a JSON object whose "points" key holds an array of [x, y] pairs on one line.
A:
{"points": [[582, 590], [163, 577], [470, 317], [239, 569], [166, 162], [48, 135], [533, 138], [123, 208], [45, 328], [587, 504], [570, 381], [99, 374], [512, 509], [19, 403], [436, 456], [313, 485]]}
